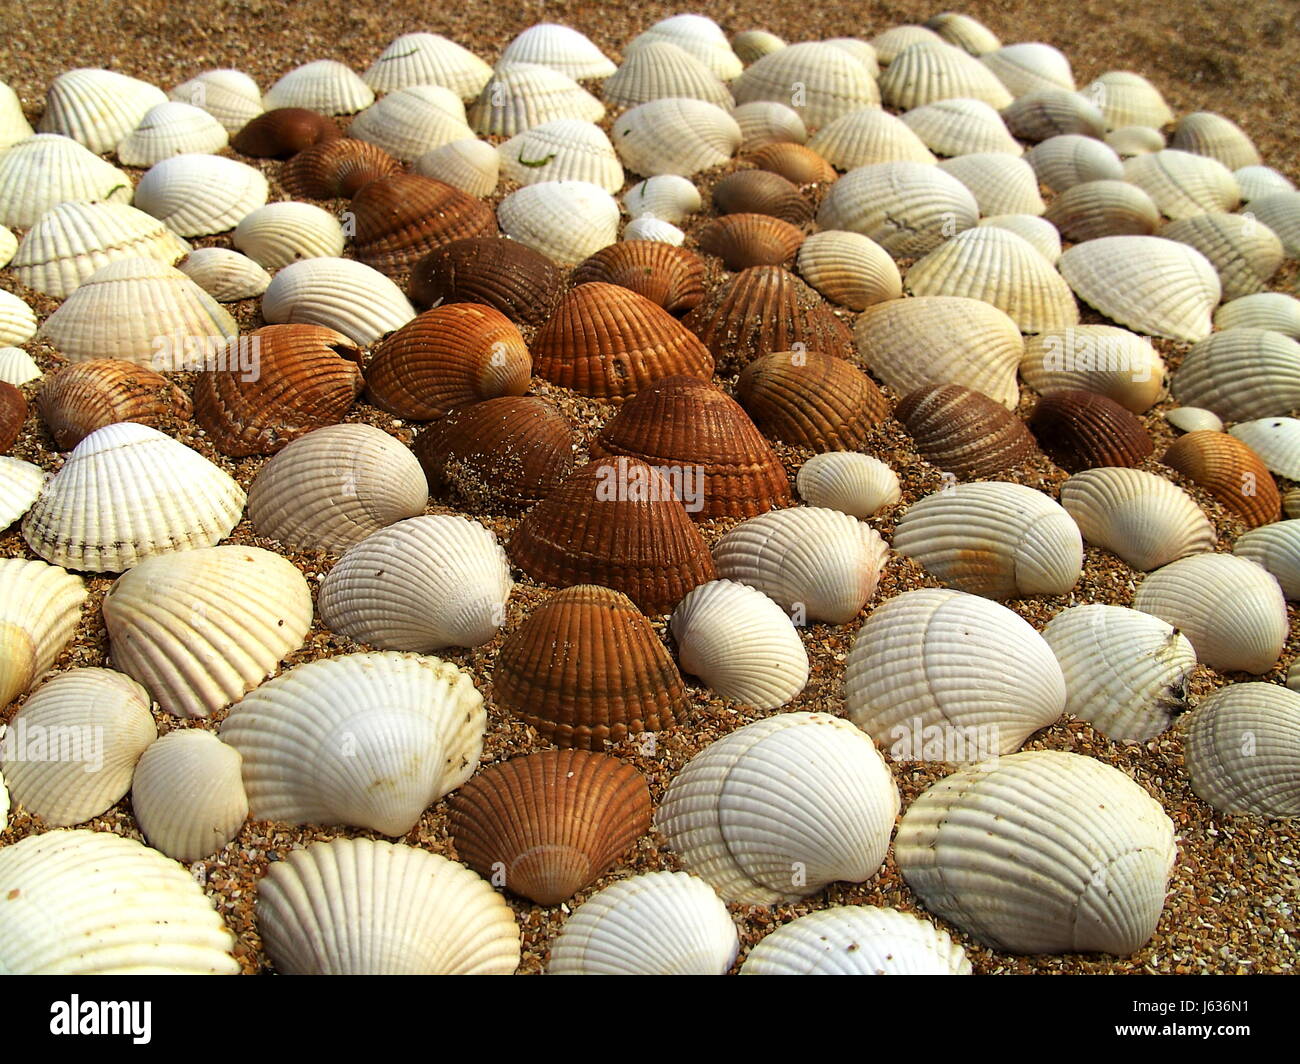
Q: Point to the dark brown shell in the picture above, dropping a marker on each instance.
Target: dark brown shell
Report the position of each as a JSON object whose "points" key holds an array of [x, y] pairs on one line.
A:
{"points": [[616, 522], [549, 823], [516, 280], [502, 454], [964, 431], [586, 667], [670, 276], [745, 240], [1229, 470], [13, 412], [1080, 430], [336, 168], [686, 422], [761, 192], [797, 163], [401, 218], [78, 399], [284, 132], [446, 358]]}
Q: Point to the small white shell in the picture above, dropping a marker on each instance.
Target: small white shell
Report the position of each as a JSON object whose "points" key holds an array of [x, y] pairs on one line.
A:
{"points": [[428, 59], [700, 36], [413, 121], [675, 137], [13, 123], [563, 150], [1241, 373], [1128, 99], [752, 45], [40, 607], [560, 48], [325, 85], [1194, 419], [907, 208], [1245, 253], [648, 227], [1280, 211], [280, 233], [523, 95], [196, 195], [171, 128], [225, 275], [866, 137], [469, 164], [855, 484], [823, 81], [1113, 362], [965, 32], [1277, 442], [959, 126], [1256, 182], [1128, 141], [925, 73], [20, 483], [668, 197], [341, 294], [1276, 547], [8, 245], [97, 108], [1072, 159], [658, 70], [39, 173], [1182, 184], [230, 96], [17, 367], [764, 122], [849, 268], [566, 221], [1263, 310], [17, 319]]}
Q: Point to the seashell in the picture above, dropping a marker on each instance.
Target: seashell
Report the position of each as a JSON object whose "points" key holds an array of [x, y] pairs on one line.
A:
{"points": [[760, 192], [1182, 184], [563, 150], [94, 903], [1245, 253], [1230, 471], [1206, 133], [20, 483], [609, 342], [923, 73], [1000, 183], [741, 816], [17, 367], [550, 823], [97, 108], [585, 668], [522, 95], [13, 412], [1277, 549], [866, 137], [230, 96], [428, 59], [860, 50], [833, 83], [334, 487], [17, 320], [498, 273], [338, 168], [1290, 501], [959, 127], [419, 585], [567, 221], [675, 136], [280, 233], [740, 643], [812, 400], [1128, 99], [849, 269], [935, 660], [1153, 286], [1276, 440], [639, 540], [669, 276], [1135, 140], [339, 294], [1112, 362], [1280, 212], [1041, 234], [560, 48], [649, 228], [752, 45], [1080, 430], [225, 275], [748, 240], [1144, 519], [413, 121], [8, 245], [13, 123], [1094, 209], [1070, 159], [965, 432], [403, 217], [1274, 311], [1240, 748], [76, 400], [39, 173], [657, 923], [966, 33], [668, 197], [1026, 68], [907, 208], [764, 122], [660, 70], [469, 164], [52, 764], [819, 564], [798, 164], [700, 36], [889, 44], [362, 907], [187, 795], [1241, 374], [325, 85], [1193, 418], [908, 343], [1001, 850], [196, 195], [40, 609], [284, 132], [1256, 182], [1051, 112]]}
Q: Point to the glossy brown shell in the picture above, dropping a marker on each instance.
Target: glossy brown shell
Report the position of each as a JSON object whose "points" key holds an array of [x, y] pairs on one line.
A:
{"points": [[78, 399], [1230, 471], [1081, 430], [336, 168], [797, 163], [13, 412], [504, 274], [745, 240], [964, 431], [669, 276], [761, 192], [284, 132], [401, 218]]}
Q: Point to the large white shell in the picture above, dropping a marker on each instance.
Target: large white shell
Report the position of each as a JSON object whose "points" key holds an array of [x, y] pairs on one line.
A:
{"points": [[40, 607], [39, 173], [13, 123], [658, 70], [563, 150], [1182, 184], [225, 275], [1281, 213], [958, 127], [325, 85], [700, 36], [1245, 253], [97, 108], [675, 136], [341, 294], [1113, 362], [413, 121], [566, 221], [764, 122], [200, 194], [752, 45], [1128, 99], [907, 208], [560, 48], [1277, 548], [230, 96], [523, 95], [820, 81], [1073, 159], [171, 128], [280, 233], [668, 197], [1028, 67], [1241, 374], [1000, 183], [925, 73], [866, 137], [20, 483], [17, 319], [469, 164], [428, 59], [1263, 310], [1277, 442], [856, 484]]}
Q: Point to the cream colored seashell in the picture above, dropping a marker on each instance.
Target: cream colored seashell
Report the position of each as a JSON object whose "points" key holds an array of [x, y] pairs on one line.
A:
{"points": [[230, 96], [39, 173], [1000, 183], [40, 607], [926, 73], [867, 136], [1153, 286], [1231, 609], [849, 269], [1049, 112], [822, 565], [143, 311], [469, 164], [363, 907], [1256, 182], [907, 208], [225, 275], [667, 197], [993, 539], [334, 486], [1095, 209], [831, 81], [1005, 851], [1135, 140], [1207, 133], [700, 36], [657, 923], [187, 795], [17, 367], [413, 121], [1040, 234], [523, 95], [1025, 68], [200, 627], [1194, 419], [560, 48], [860, 50], [1276, 547], [1242, 750], [658, 70], [1128, 99], [428, 59], [74, 240], [97, 108], [70, 752], [13, 123], [679, 137], [1245, 253], [566, 221], [1182, 184], [780, 808], [564, 150], [17, 320], [94, 903], [197, 195], [891, 43], [764, 122], [420, 585], [8, 245], [1277, 442], [368, 740], [1070, 159], [1113, 362], [341, 294], [960, 127], [1280, 211], [325, 85], [857, 940], [280, 233], [4, 804], [647, 227], [936, 662], [1241, 374], [171, 128], [855, 484], [1146, 520], [751, 45], [20, 483], [964, 32], [1274, 311], [740, 643]]}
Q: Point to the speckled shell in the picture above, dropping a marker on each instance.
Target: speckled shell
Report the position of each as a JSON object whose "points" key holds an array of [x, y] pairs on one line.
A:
{"points": [[964, 431], [1230, 471], [1000, 183], [958, 127], [97, 108], [923, 73], [196, 195], [227, 276], [522, 95], [833, 83], [20, 483], [1092, 209], [39, 173], [668, 197], [1128, 99], [412, 121], [907, 208], [1275, 311], [1277, 548], [671, 277], [427, 59], [1182, 184], [1043, 113], [564, 220], [280, 233], [324, 85], [187, 794], [337, 168], [1277, 442], [1245, 253], [1281, 213], [1112, 362], [230, 96], [76, 400], [761, 192], [1256, 182], [764, 122], [811, 400], [403, 217], [849, 269], [563, 150], [1080, 430], [1070, 159], [469, 164], [1241, 374], [795, 162], [40, 608], [675, 137], [339, 294], [658, 70], [503, 274], [745, 240], [284, 132], [1206, 133]]}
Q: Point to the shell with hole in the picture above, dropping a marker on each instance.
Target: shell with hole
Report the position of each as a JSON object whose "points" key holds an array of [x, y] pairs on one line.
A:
{"points": [[1241, 374], [340, 294], [97, 108], [1112, 362], [675, 136], [855, 484], [40, 608], [197, 195], [39, 173], [907, 208], [564, 220]]}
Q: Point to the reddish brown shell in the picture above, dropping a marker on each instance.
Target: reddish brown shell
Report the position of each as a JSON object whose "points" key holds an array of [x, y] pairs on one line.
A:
{"points": [[284, 132], [797, 163], [965, 432], [761, 192], [276, 384], [445, 358], [685, 422], [504, 274], [546, 825], [336, 168], [401, 218], [745, 240], [13, 412], [670, 276], [78, 399], [586, 668], [1230, 471], [606, 341], [616, 522], [1080, 430], [498, 455]]}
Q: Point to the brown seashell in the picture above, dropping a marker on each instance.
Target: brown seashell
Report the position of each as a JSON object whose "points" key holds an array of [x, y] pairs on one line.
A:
{"points": [[609, 342], [964, 431], [619, 523], [284, 132], [670, 276], [504, 274], [812, 400], [445, 358], [681, 422], [501, 454], [586, 667], [1230, 471], [1080, 430], [761, 192], [13, 412], [78, 399], [797, 163], [336, 168], [403, 217], [305, 377], [745, 240], [549, 823]]}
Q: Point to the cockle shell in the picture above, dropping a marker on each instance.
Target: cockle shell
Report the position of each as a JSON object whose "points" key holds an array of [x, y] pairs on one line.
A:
{"points": [[1000, 183], [560, 48], [671, 277], [1245, 253], [428, 59], [1277, 442], [1256, 182], [1089, 210], [830, 82], [764, 122], [20, 484], [17, 319], [746, 240], [1241, 373], [669, 197], [648, 227], [891, 43], [187, 794], [230, 96], [1128, 141], [1280, 211], [469, 164], [1030, 67], [280, 233], [13, 123], [563, 150], [339, 294], [40, 607], [39, 173], [402, 217], [1194, 419], [1275, 311], [171, 128], [924, 73], [412, 121], [325, 85], [8, 245], [564, 220], [1112, 362], [1070, 159], [855, 484], [959, 127], [335, 168], [1277, 548], [761, 192], [1048, 112], [522, 95], [964, 431], [907, 208], [795, 162], [1206, 133], [965, 32], [284, 132], [76, 400], [700, 36], [1182, 184], [659, 70], [849, 269], [225, 275], [503, 274], [196, 195], [1080, 430], [1128, 99], [810, 399], [97, 108], [675, 136], [17, 367], [1230, 471], [752, 45]]}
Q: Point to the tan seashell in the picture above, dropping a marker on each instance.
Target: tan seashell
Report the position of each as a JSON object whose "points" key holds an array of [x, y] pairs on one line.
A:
{"points": [[76, 400], [1128, 141], [965, 432], [849, 269], [40, 609], [959, 127], [1182, 184], [1112, 362], [1093, 209], [187, 795], [761, 192], [1280, 211], [428, 59], [868, 136], [810, 399], [1000, 183], [281, 233], [1070, 159], [1241, 374], [907, 208], [230, 96], [1230, 471], [1245, 253], [1206, 133], [964, 32], [833, 83], [797, 163], [746, 240], [923, 73]]}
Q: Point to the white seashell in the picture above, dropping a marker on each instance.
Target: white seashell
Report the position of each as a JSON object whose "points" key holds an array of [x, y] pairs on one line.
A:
{"points": [[230, 96], [70, 752], [1094, 209], [1277, 442], [751, 45], [363, 907], [171, 128], [1280, 211], [700, 36], [469, 164], [39, 173], [13, 123], [867, 136], [830, 82], [925, 73], [1245, 253], [1135, 140], [20, 483], [648, 227], [566, 221], [334, 486], [1276, 547], [325, 85], [1231, 609], [1050, 112], [8, 244], [560, 48], [959, 127], [428, 59], [675, 137], [197, 195], [225, 275], [907, 208], [341, 294], [1070, 159], [17, 320], [667, 197], [281, 233], [1128, 99], [1241, 374], [658, 923], [413, 121], [1182, 184], [187, 795], [40, 607], [1194, 419], [1113, 362], [849, 268], [564, 150], [523, 95], [200, 627], [891, 43], [420, 585], [97, 108], [819, 564], [1000, 183], [1004, 850], [855, 484], [1256, 182], [1025, 68], [17, 367], [764, 122], [659, 70], [1207, 133], [740, 643], [94, 903], [1275, 311], [964, 32]]}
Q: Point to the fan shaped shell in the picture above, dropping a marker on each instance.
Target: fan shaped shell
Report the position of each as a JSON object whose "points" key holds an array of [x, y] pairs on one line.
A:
{"points": [[76, 400], [964, 431], [503, 274], [428, 59], [280, 233], [97, 108], [1070, 159], [811, 400], [563, 150], [227, 276], [323, 85], [39, 173], [339, 294], [855, 484], [520, 96], [1241, 373], [40, 608], [831, 81], [412, 121], [960, 127], [1230, 471], [675, 136], [230, 96], [564, 220], [907, 208], [171, 128], [923, 73], [1112, 362], [196, 195]]}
